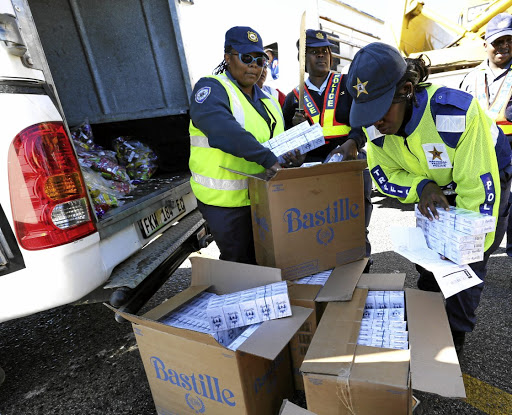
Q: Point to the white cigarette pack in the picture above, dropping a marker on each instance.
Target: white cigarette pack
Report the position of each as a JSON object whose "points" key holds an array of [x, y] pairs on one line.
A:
{"points": [[302, 137], [383, 323], [244, 335], [319, 278], [459, 235], [248, 307]]}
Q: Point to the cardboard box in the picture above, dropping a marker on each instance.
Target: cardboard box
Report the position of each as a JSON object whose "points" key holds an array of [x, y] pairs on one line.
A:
{"points": [[190, 373], [314, 297], [307, 220], [345, 378]]}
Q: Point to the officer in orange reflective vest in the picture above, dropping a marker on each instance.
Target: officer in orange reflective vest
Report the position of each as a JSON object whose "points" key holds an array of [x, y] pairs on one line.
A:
{"points": [[326, 101], [491, 83]]}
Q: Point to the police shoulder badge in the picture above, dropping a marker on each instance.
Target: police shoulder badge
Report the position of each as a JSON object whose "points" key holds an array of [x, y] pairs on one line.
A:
{"points": [[320, 35], [202, 94], [253, 37], [360, 87]]}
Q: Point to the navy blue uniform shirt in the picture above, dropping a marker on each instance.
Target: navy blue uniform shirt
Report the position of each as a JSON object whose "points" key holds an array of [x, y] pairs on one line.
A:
{"points": [[341, 115], [212, 115]]}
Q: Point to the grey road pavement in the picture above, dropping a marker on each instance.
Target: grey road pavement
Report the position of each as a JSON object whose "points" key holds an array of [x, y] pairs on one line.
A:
{"points": [[78, 360]]}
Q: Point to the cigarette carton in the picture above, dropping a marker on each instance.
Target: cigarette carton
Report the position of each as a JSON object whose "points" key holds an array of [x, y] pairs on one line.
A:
{"points": [[302, 137], [343, 377], [190, 372]]}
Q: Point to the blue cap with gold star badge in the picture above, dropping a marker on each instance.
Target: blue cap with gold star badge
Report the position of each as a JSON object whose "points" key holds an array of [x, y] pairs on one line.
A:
{"points": [[244, 40], [371, 81]]}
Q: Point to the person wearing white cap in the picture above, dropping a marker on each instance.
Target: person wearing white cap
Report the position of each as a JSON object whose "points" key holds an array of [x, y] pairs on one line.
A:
{"points": [[491, 83], [434, 146]]}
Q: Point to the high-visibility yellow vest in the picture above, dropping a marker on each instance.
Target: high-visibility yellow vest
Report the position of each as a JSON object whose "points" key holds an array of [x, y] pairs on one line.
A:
{"points": [[212, 184], [330, 127], [398, 166]]}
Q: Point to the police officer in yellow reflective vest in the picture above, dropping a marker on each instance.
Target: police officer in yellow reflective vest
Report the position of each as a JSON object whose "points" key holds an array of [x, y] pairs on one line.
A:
{"points": [[491, 83], [327, 102], [230, 118], [427, 140]]}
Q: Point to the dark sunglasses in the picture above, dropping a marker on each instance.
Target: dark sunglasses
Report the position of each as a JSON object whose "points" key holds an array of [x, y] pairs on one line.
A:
{"points": [[261, 61]]}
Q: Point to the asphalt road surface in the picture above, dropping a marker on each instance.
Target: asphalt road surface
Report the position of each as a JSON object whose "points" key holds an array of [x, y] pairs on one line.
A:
{"points": [[78, 360]]}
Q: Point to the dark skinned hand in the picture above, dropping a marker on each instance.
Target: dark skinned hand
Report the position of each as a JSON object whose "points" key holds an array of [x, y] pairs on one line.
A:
{"points": [[271, 171], [347, 149], [298, 117], [293, 159], [432, 198]]}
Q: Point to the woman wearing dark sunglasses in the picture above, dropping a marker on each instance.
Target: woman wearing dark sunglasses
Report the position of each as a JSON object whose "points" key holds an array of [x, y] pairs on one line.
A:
{"points": [[230, 118]]}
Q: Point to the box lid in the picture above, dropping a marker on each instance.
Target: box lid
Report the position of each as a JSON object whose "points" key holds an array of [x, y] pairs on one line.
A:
{"points": [[343, 280], [273, 336], [385, 282], [333, 354], [317, 170], [288, 408], [434, 364], [225, 276]]}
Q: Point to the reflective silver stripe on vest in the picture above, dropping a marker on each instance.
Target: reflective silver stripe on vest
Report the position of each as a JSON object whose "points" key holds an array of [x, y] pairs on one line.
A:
{"points": [[238, 110], [219, 184], [199, 141], [494, 133], [275, 101], [450, 123]]}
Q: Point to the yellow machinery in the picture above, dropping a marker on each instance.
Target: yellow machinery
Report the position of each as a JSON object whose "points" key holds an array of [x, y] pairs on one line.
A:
{"points": [[450, 46]]}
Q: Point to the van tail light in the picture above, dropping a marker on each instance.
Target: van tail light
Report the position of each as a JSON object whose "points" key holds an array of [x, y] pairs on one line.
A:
{"points": [[48, 195]]}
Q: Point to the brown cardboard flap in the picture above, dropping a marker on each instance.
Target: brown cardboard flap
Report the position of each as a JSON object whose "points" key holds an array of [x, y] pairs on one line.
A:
{"points": [[434, 364], [342, 282], [297, 173], [226, 277], [174, 302], [273, 336], [332, 349], [288, 408], [385, 282], [382, 366], [155, 325]]}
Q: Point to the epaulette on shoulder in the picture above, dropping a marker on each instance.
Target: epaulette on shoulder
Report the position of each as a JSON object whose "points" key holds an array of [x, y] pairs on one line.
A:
{"points": [[453, 97]]}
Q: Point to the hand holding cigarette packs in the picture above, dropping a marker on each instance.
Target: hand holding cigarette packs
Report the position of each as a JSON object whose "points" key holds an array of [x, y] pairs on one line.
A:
{"points": [[302, 137], [458, 235]]}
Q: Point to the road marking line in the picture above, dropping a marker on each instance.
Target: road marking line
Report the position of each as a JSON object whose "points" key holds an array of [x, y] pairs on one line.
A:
{"points": [[487, 398]]}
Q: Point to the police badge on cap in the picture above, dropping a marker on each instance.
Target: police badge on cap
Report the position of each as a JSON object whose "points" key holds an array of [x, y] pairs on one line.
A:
{"points": [[244, 40]]}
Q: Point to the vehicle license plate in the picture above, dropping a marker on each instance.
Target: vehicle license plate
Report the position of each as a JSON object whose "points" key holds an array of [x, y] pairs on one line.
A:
{"points": [[161, 217]]}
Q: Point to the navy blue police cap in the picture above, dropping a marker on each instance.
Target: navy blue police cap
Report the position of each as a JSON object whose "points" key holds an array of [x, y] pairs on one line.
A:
{"points": [[500, 25], [244, 40], [316, 38], [371, 81]]}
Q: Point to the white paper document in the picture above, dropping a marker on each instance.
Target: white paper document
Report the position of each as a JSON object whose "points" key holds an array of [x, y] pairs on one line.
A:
{"points": [[452, 278]]}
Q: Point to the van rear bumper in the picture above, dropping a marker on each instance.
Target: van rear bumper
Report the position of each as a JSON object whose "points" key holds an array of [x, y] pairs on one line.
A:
{"points": [[68, 273]]}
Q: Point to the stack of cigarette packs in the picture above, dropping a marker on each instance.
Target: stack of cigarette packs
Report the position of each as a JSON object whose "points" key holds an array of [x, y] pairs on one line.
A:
{"points": [[192, 316], [302, 137], [458, 235], [247, 307], [315, 279], [383, 323]]}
